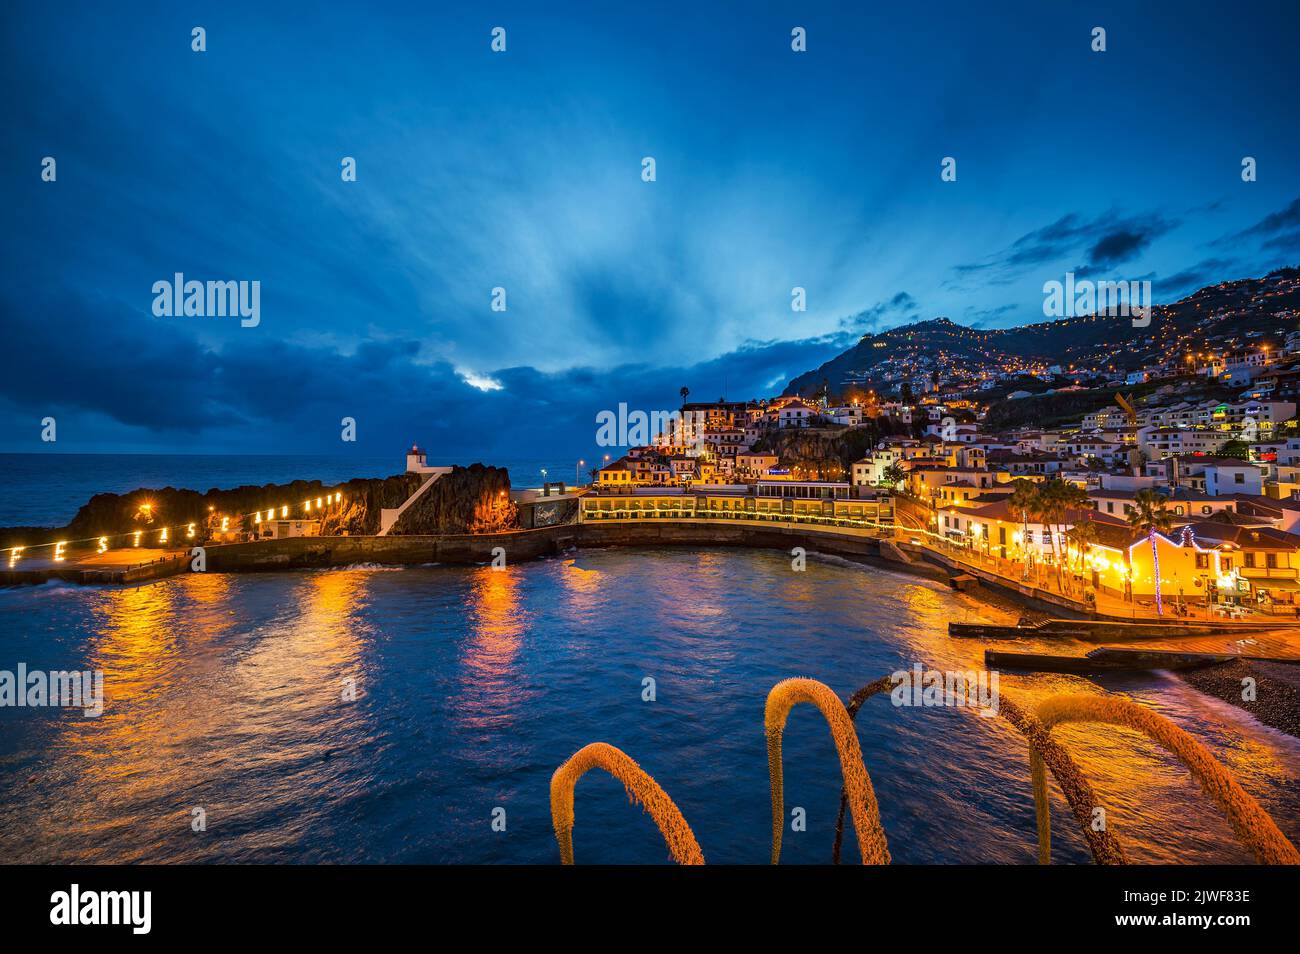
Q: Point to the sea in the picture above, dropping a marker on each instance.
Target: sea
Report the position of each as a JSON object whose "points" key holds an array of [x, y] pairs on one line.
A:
{"points": [[417, 714]]}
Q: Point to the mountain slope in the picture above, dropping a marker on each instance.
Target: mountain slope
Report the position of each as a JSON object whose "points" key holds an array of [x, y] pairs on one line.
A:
{"points": [[1226, 315]]}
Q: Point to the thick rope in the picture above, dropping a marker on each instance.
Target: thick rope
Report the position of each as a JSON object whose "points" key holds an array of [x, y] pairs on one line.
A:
{"points": [[641, 789], [857, 783], [1253, 826]]}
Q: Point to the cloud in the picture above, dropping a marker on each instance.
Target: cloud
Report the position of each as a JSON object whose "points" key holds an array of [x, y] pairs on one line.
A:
{"points": [[1205, 272], [902, 307], [986, 317], [1110, 240], [481, 381], [1286, 218], [125, 376]]}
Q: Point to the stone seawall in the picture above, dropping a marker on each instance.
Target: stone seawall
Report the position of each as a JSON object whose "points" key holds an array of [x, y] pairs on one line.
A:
{"points": [[411, 550], [524, 545], [852, 544]]}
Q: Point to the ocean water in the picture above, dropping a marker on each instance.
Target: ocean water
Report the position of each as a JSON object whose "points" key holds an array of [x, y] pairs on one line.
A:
{"points": [[45, 490], [224, 693]]}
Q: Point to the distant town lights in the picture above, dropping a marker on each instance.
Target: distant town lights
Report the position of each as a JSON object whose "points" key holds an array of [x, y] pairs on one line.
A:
{"points": [[136, 538], [103, 544], [14, 554], [58, 551]]}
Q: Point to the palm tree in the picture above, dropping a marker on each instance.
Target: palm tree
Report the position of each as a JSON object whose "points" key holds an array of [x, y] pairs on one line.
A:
{"points": [[1063, 499], [1025, 497], [1149, 516], [1082, 535], [684, 392], [1051, 510]]}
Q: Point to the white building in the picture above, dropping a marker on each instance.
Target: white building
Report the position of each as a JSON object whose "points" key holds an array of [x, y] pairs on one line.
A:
{"points": [[282, 529]]}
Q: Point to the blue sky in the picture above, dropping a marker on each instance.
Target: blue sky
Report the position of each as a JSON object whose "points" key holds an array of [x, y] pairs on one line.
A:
{"points": [[522, 170]]}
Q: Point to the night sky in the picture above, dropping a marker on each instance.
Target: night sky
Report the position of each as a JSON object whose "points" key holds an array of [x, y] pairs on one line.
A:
{"points": [[522, 170]]}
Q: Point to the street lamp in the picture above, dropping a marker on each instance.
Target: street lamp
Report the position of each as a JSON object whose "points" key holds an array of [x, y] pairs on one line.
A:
{"points": [[576, 469]]}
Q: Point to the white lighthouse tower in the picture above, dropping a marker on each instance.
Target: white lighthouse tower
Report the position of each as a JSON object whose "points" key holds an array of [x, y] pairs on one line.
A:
{"points": [[415, 461]]}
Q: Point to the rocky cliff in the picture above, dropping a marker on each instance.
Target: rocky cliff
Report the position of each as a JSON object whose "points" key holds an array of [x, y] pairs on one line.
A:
{"points": [[469, 499]]}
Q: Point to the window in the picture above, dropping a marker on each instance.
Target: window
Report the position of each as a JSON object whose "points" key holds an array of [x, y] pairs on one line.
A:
{"points": [[1270, 560], [1207, 509], [1202, 561], [1249, 558], [1238, 478]]}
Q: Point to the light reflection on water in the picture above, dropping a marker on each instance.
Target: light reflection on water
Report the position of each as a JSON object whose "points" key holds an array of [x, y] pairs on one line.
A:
{"points": [[226, 693]]}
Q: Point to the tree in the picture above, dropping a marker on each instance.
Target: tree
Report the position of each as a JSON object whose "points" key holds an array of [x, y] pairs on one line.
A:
{"points": [[685, 393], [1149, 516], [1235, 448], [1051, 507], [1061, 500], [1082, 535], [893, 475], [1025, 499]]}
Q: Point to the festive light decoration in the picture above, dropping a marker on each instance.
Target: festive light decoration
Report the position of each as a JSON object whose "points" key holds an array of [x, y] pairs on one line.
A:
{"points": [[102, 543]]}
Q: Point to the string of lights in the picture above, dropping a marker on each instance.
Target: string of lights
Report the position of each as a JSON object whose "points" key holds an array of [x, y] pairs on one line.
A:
{"points": [[165, 533]]}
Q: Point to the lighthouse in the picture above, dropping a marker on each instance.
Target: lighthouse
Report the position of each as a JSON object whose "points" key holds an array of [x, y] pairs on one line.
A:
{"points": [[415, 461]]}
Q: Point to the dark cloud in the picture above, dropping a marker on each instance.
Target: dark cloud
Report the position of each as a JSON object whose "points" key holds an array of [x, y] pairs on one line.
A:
{"points": [[1109, 240], [1286, 242], [1197, 276], [1117, 247], [1275, 222], [109, 373], [902, 307], [989, 317]]}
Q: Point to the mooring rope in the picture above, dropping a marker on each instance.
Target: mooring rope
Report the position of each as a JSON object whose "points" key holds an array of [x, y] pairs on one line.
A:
{"points": [[641, 789], [1251, 823]]}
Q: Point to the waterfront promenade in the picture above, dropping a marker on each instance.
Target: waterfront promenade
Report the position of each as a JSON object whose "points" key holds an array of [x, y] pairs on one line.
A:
{"points": [[908, 548]]}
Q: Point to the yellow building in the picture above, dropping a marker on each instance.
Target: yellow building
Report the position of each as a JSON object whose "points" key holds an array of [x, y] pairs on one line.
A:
{"points": [[704, 503]]}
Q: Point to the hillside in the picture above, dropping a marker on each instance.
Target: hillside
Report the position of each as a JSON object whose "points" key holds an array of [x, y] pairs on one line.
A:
{"points": [[1225, 315]]}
